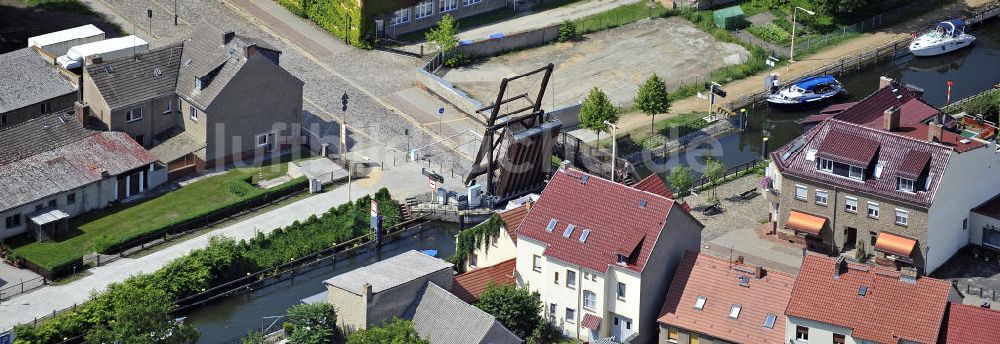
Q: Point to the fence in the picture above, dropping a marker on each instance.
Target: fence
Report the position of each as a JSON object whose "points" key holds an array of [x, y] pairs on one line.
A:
{"points": [[887, 18], [592, 159], [958, 106], [730, 174], [22, 287]]}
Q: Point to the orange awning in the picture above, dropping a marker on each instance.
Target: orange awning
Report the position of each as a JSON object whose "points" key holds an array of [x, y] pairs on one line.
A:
{"points": [[805, 223], [894, 244]]}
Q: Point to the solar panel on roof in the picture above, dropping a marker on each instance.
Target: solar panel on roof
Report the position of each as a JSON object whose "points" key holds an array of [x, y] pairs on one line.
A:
{"points": [[795, 147], [551, 226], [569, 230]]}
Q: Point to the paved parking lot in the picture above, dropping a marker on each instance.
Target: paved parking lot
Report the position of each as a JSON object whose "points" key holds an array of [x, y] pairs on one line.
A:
{"points": [[618, 60], [976, 273]]}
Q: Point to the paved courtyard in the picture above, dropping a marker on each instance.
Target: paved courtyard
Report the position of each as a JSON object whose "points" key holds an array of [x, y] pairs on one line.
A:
{"points": [[735, 232], [618, 59], [976, 273]]}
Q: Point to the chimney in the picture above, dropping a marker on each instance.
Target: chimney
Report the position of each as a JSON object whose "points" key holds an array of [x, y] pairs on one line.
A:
{"points": [[81, 111], [908, 275], [739, 260], [883, 82], [563, 165], [227, 36], [366, 290], [891, 118], [759, 272], [934, 131], [839, 267], [92, 59]]}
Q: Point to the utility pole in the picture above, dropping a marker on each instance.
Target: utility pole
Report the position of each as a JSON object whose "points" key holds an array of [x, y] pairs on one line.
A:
{"points": [[343, 144]]}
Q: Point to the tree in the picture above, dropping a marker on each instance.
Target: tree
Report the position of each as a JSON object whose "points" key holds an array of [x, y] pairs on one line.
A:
{"points": [[596, 109], [681, 178], [140, 315], [714, 170], [397, 331], [516, 308], [652, 99], [313, 323], [444, 36]]}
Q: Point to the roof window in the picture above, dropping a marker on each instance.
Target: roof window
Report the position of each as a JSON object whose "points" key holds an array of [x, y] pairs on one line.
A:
{"points": [[551, 226], [584, 235], [769, 321], [734, 312], [699, 303], [569, 230]]}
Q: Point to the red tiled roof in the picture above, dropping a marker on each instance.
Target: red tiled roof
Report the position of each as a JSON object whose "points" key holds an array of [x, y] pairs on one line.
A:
{"points": [[966, 324], [891, 153], [654, 184], [591, 321], [914, 164], [890, 310], [614, 214], [715, 279], [846, 148], [468, 286], [512, 218]]}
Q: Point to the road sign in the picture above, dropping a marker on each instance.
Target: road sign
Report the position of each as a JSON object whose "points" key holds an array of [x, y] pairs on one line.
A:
{"points": [[7, 337], [431, 175], [374, 208], [441, 111], [344, 98], [432, 184]]}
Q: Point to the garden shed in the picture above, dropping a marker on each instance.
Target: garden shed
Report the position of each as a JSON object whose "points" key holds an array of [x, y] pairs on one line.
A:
{"points": [[729, 18]]}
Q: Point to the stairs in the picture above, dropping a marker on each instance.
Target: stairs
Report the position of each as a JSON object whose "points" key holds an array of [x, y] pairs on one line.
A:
{"points": [[405, 208]]}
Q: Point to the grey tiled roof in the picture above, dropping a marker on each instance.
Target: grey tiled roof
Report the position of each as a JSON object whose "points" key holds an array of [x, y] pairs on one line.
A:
{"points": [[130, 80], [26, 78], [441, 317], [40, 134], [69, 167], [205, 54], [392, 272]]}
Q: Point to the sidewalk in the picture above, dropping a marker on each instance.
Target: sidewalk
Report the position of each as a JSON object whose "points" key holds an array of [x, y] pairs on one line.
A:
{"points": [[404, 181], [538, 20], [752, 84]]}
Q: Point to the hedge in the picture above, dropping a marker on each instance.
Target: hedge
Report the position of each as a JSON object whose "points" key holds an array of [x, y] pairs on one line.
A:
{"points": [[223, 260]]}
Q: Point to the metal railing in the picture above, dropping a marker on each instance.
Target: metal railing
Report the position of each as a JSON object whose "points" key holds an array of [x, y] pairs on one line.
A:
{"points": [[24, 286], [731, 174]]}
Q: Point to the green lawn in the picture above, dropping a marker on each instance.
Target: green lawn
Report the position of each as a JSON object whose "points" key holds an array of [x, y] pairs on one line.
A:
{"points": [[100, 229]]}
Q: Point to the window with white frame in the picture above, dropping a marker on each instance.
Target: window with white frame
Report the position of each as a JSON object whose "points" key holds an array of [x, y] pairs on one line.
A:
{"points": [[570, 279], [263, 140], [621, 290], [902, 217], [473, 260], [850, 204], [470, 2], [825, 165], [194, 113], [801, 333], [423, 10], [821, 197], [904, 184], [170, 106], [400, 17], [447, 5], [801, 193], [873, 210], [589, 300], [570, 315], [536, 263], [133, 114], [856, 173]]}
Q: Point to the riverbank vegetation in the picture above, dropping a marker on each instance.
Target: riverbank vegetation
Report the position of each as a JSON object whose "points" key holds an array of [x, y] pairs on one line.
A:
{"points": [[222, 261]]}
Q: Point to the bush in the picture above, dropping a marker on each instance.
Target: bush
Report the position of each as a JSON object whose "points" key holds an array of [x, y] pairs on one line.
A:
{"points": [[771, 33], [457, 60], [567, 31]]}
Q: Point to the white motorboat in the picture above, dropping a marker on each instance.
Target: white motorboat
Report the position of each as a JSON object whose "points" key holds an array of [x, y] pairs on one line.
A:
{"points": [[946, 37], [807, 92]]}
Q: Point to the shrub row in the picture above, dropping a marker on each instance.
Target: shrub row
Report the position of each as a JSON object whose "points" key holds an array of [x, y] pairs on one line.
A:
{"points": [[223, 260], [772, 33]]}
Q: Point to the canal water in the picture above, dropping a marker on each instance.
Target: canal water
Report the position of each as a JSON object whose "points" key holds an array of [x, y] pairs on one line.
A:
{"points": [[236, 315], [973, 70]]}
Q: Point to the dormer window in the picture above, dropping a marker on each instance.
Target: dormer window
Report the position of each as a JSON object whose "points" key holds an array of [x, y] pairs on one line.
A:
{"points": [[622, 259], [826, 165], [840, 169], [856, 173], [197, 83], [904, 184]]}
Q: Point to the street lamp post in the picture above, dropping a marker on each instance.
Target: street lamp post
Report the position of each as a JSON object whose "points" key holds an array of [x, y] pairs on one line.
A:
{"points": [[175, 12], [794, 10], [614, 147], [763, 149]]}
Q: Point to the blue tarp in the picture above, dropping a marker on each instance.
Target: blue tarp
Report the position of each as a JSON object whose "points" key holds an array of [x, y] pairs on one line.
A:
{"points": [[496, 35], [809, 83], [952, 26]]}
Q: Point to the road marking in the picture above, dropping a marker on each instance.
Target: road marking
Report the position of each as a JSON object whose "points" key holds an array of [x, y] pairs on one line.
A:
{"points": [[253, 19]]}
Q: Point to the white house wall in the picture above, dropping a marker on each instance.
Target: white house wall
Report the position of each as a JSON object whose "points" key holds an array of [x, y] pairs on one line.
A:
{"points": [[489, 255], [818, 332], [969, 180]]}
